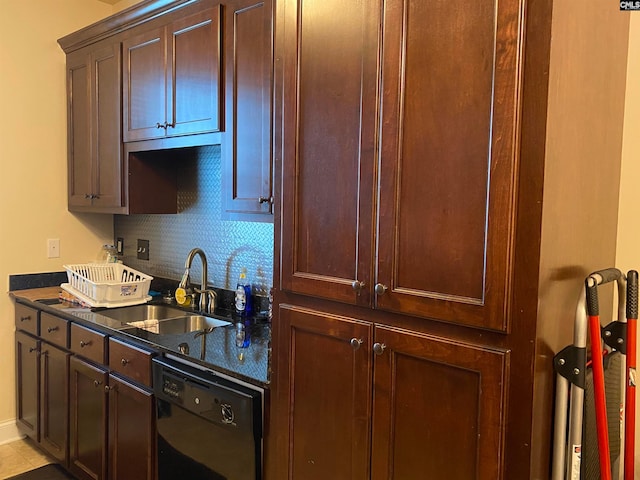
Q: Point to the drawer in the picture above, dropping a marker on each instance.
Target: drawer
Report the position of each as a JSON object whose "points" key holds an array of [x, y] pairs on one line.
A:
{"points": [[27, 319], [130, 361], [54, 330], [88, 343]]}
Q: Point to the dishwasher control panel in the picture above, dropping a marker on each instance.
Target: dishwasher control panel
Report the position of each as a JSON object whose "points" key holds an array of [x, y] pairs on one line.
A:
{"points": [[218, 400]]}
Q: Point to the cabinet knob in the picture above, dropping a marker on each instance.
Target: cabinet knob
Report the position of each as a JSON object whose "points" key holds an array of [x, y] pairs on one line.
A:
{"points": [[380, 289], [97, 383], [25, 318], [124, 362], [172, 125], [378, 348], [33, 349], [52, 329], [160, 125], [357, 286], [355, 343], [108, 388], [265, 199], [84, 344]]}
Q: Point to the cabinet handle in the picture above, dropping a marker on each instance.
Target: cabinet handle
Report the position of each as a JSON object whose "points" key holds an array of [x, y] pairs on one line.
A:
{"points": [[380, 289], [52, 329], [108, 388], [172, 125], [265, 199], [378, 348], [25, 318], [84, 344], [355, 343], [124, 362], [97, 383], [159, 125], [32, 349], [357, 286]]}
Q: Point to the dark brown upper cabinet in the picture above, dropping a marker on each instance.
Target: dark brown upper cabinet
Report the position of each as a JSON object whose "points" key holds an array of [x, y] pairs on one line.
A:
{"points": [[94, 118], [171, 78], [401, 178], [247, 180]]}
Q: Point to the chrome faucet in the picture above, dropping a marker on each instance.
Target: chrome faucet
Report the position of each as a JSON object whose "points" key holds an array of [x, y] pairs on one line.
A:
{"points": [[207, 301]]}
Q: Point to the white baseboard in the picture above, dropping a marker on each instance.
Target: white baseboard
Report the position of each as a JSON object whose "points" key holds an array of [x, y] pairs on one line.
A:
{"points": [[9, 432]]}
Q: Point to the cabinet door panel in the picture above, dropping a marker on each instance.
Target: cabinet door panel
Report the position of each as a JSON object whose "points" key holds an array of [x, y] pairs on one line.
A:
{"points": [[438, 408], [27, 389], [194, 87], [88, 420], [54, 401], [328, 385], [145, 86], [247, 145], [131, 431], [329, 126], [79, 123], [107, 120], [448, 158]]}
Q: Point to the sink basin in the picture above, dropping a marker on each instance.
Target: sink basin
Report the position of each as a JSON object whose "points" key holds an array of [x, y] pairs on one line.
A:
{"points": [[141, 313], [185, 324]]}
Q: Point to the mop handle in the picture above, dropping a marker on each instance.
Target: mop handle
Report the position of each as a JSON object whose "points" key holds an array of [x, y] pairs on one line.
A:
{"points": [[630, 396], [602, 429]]}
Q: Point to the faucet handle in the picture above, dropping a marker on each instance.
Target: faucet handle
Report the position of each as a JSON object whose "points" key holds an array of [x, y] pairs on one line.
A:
{"points": [[208, 300]]}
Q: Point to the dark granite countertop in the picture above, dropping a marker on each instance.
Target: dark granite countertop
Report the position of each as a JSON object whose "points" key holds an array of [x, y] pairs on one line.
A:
{"points": [[216, 350]]}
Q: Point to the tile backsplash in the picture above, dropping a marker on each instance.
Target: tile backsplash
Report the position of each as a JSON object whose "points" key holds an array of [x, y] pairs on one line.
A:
{"points": [[229, 245]]}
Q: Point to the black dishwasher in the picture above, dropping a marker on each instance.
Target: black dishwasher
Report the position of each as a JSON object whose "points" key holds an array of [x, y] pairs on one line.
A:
{"points": [[209, 427]]}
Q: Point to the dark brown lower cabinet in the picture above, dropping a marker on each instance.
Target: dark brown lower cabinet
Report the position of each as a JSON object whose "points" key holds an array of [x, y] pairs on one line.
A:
{"points": [[54, 401], [368, 401], [27, 393], [131, 431], [87, 420], [112, 423]]}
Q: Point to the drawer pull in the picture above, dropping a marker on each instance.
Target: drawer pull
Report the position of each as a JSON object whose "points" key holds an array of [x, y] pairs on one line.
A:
{"points": [[25, 318], [52, 329], [124, 362], [84, 344]]}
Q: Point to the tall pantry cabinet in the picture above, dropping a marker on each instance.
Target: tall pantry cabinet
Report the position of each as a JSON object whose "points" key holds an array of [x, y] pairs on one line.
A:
{"points": [[431, 229]]}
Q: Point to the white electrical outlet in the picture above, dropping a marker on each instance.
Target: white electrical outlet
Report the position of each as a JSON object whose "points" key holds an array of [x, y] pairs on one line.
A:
{"points": [[53, 248]]}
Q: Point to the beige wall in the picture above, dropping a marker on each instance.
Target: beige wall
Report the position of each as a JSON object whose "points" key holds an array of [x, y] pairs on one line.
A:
{"points": [[628, 248], [33, 180]]}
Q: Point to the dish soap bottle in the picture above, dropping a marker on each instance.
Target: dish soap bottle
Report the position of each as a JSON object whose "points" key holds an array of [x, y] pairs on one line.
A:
{"points": [[243, 294]]}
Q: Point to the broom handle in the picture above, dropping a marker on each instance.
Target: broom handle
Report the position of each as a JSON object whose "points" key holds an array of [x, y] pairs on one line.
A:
{"points": [[630, 395]]}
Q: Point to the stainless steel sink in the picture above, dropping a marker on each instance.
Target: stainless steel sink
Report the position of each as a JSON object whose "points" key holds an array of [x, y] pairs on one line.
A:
{"points": [[186, 324], [164, 320], [140, 313]]}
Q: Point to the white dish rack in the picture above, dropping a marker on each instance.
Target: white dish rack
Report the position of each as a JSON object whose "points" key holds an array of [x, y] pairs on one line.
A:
{"points": [[107, 284]]}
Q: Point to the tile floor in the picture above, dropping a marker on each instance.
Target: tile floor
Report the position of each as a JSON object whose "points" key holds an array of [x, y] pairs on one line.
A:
{"points": [[19, 457]]}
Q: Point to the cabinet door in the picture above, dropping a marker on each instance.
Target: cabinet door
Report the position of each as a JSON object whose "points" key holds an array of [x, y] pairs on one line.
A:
{"points": [[54, 401], [438, 408], [88, 420], [193, 88], [247, 187], [131, 431], [327, 389], [107, 121], [80, 172], [27, 391], [329, 122], [94, 120], [448, 158], [144, 86]]}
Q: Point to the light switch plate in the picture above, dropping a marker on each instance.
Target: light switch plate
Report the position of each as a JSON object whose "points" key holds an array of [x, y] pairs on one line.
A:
{"points": [[143, 249]]}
